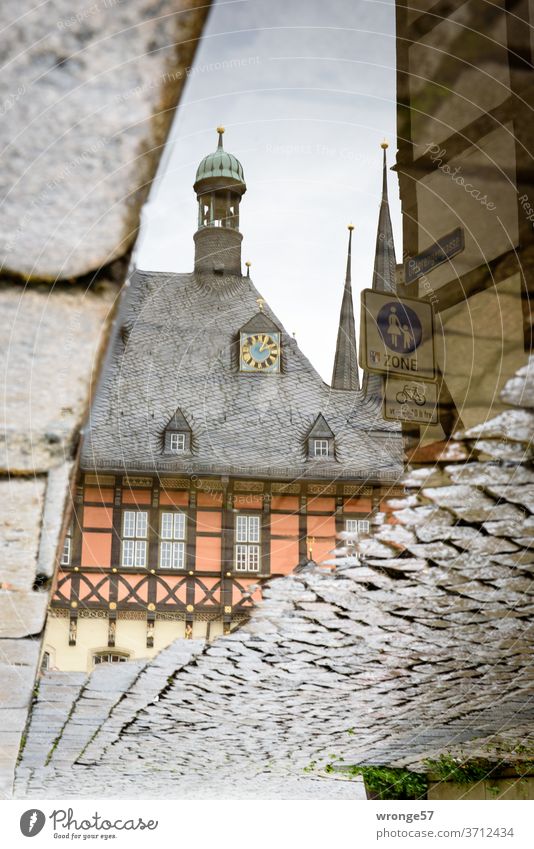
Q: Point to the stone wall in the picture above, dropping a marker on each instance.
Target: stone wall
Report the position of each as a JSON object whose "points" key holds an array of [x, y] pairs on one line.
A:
{"points": [[88, 94]]}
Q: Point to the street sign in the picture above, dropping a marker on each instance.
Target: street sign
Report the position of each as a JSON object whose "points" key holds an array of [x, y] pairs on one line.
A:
{"points": [[442, 250], [407, 400], [397, 336]]}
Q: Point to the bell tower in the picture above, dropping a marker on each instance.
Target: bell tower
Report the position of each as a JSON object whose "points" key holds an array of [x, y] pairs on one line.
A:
{"points": [[219, 186]]}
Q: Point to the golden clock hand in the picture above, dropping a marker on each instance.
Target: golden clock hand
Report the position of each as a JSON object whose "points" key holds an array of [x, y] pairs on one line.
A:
{"points": [[263, 345]]}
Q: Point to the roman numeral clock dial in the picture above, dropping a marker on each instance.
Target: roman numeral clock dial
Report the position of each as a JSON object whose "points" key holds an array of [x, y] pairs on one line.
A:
{"points": [[260, 352]]}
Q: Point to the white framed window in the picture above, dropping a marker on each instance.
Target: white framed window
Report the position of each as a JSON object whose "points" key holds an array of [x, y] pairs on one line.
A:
{"points": [[66, 553], [320, 448], [247, 543], [134, 538], [109, 657], [357, 525], [177, 443], [172, 535]]}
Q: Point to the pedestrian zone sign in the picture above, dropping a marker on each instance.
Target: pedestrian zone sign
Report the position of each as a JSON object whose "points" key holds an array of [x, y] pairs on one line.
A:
{"points": [[397, 336]]}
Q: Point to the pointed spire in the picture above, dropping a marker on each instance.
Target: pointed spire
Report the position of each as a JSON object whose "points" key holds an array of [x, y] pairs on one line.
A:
{"points": [[345, 373], [384, 273], [220, 130]]}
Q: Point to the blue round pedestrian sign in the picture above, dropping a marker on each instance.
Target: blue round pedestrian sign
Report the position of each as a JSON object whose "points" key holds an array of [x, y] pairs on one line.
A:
{"points": [[399, 327]]}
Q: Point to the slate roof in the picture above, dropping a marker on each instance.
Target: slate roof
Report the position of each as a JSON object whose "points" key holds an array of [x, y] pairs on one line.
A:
{"points": [[176, 347]]}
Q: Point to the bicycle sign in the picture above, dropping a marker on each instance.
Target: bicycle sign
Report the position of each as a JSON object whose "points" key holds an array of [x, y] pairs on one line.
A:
{"points": [[408, 400], [397, 335]]}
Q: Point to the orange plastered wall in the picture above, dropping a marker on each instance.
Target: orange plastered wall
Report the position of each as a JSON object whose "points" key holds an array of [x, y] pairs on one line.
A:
{"points": [[97, 517], [65, 587], [167, 582], [209, 499], [87, 583], [237, 594], [285, 502], [287, 526], [96, 550], [136, 496], [208, 554], [92, 493], [126, 581], [174, 499], [200, 592], [321, 526], [208, 521], [358, 505], [321, 504], [284, 555], [248, 502], [323, 549]]}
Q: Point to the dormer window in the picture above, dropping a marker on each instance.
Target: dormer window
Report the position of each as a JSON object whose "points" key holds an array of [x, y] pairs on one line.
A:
{"points": [[177, 435], [320, 448], [177, 443], [320, 440]]}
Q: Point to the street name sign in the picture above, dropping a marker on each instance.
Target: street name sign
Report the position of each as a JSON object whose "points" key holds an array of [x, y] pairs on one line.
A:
{"points": [[397, 335], [407, 400], [442, 250]]}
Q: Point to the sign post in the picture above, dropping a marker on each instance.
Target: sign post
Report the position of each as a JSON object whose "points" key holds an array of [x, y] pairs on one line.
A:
{"points": [[397, 336]]}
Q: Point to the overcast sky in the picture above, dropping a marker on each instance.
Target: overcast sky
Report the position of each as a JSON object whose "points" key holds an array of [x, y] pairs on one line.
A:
{"points": [[306, 92]]}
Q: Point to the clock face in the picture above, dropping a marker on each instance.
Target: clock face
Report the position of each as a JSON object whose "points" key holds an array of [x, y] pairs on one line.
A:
{"points": [[260, 352]]}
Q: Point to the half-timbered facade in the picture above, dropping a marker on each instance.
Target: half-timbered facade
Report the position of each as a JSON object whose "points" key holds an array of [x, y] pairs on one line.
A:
{"points": [[214, 456]]}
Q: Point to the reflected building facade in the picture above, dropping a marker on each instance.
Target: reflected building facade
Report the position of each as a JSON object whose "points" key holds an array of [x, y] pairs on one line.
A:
{"points": [[465, 100]]}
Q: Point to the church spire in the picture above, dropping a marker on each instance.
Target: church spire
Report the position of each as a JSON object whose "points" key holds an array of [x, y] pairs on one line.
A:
{"points": [[384, 273], [345, 373]]}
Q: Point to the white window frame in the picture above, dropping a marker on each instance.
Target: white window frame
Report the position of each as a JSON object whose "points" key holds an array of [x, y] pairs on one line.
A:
{"points": [[360, 526], [321, 448], [247, 542], [67, 551], [134, 539], [177, 443], [112, 657], [173, 535]]}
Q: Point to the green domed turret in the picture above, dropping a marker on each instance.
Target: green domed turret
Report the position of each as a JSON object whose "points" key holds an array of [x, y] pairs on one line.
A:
{"points": [[222, 166], [219, 186]]}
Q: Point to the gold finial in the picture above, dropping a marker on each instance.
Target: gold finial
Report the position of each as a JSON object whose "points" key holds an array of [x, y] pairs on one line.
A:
{"points": [[260, 302], [220, 130], [350, 227], [384, 145], [248, 264]]}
